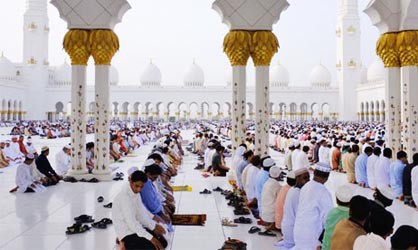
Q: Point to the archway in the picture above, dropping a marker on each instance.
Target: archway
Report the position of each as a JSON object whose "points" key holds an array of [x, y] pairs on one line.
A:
{"points": [[316, 114], [282, 111], [136, 114], [206, 114], [325, 109], [194, 110], [293, 110], [182, 111], [59, 111], [304, 111]]}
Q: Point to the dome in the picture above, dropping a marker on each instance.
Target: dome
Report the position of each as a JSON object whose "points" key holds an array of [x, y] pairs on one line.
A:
{"points": [[279, 76], [114, 76], [194, 76], [7, 69], [363, 74], [320, 76], [63, 74], [376, 71], [151, 76]]}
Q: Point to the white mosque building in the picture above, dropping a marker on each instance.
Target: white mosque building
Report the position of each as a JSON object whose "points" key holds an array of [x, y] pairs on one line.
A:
{"points": [[35, 90]]}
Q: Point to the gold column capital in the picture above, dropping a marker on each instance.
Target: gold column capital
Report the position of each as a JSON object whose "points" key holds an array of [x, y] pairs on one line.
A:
{"points": [[76, 44], [387, 49], [264, 46], [104, 44], [407, 44], [237, 46]]}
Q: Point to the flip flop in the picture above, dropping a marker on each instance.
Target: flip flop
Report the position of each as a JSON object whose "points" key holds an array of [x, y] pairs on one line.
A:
{"points": [[267, 233], [107, 221], [84, 219], [218, 189], [93, 180], [205, 192], [243, 220], [254, 230], [99, 224], [100, 199], [109, 205], [228, 223], [77, 229]]}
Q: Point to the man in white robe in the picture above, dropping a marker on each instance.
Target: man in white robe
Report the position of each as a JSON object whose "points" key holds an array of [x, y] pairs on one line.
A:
{"points": [[290, 208], [382, 169], [301, 159], [414, 182], [25, 181], [13, 151], [295, 154], [314, 204], [323, 152], [269, 194], [371, 165], [63, 160]]}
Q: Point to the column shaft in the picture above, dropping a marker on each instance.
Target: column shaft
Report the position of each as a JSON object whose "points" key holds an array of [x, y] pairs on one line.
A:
{"points": [[393, 106], [102, 141], [78, 120], [262, 99], [238, 105], [409, 79]]}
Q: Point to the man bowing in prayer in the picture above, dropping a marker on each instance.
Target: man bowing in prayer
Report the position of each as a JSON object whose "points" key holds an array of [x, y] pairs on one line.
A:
{"points": [[314, 204], [63, 160]]}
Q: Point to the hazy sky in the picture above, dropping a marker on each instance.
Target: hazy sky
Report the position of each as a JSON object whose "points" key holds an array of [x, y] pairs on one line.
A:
{"points": [[174, 32]]}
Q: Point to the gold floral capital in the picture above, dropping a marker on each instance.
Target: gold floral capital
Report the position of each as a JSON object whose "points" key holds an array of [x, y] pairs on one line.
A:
{"points": [[407, 44], [264, 46], [387, 49], [76, 44], [237, 46], [104, 44]]}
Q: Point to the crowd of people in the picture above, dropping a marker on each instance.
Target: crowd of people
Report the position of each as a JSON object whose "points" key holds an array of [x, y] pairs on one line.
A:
{"points": [[283, 197]]}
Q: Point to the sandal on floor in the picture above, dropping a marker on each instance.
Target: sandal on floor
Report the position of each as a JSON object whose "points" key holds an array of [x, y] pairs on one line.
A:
{"points": [[93, 180], [77, 229], [243, 220], [218, 189], [254, 230], [84, 219], [267, 233], [99, 224], [228, 223], [100, 199], [205, 192], [107, 221], [108, 205]]}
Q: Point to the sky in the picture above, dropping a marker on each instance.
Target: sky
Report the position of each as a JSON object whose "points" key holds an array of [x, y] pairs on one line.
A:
{"points": [[173, 33]]}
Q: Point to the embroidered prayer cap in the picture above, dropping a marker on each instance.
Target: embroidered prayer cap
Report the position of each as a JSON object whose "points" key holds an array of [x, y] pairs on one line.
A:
{"points": [[269, 162], [44, 148], [149, 162], [388, 192], [344, 193], [30, 156], [275, 172], [67, 146], [300, 171], [323, 167], [291, 175]]}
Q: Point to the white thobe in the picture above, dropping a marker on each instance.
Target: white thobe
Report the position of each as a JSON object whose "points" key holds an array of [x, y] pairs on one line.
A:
{"points": [[382, 172], [14, 151], [251, 182], [294, 156], [62, 163], [371, 164], [30, 148], [268, 197], [414, 180], [301, 161], [315, 201], [289, 214], [24, 177], [323, 154]]}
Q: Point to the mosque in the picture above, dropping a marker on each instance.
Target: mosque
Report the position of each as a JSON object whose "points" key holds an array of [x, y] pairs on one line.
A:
{"points": [[46, 89]]}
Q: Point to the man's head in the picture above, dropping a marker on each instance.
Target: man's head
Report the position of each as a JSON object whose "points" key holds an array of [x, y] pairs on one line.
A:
{"points": [[415, 158], [368, 151], [344, 194], [21, 138], [377, 151], [67, 149], [220, 149], [29, 159], [156, 157], [2, 144], [381, 223], [45, 150], [359, 208], [384, 195], [402, 156], [387, 152], [406, 237], [302, 177], [137, 180], [153, 171], [355, 149], [14, 139], [305, 149], [321, 172], [256, 160], [291, 178]]}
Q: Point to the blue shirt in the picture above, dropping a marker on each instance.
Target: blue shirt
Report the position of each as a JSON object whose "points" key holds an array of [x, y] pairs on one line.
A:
{"points": [[150, 198], [262, 177], [360, 169], [396, 175]]}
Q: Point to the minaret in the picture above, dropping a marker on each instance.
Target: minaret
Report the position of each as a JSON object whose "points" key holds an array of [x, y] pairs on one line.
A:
{"points": [[348, 58], [35, 56]]}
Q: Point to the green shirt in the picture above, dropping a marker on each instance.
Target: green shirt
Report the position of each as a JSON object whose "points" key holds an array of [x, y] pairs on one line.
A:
{"points": [[335, 215]]}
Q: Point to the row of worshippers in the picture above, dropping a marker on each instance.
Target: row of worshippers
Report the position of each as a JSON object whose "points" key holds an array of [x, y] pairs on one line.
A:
{"points": [[142, 211], [13, 152], [46, 129]]}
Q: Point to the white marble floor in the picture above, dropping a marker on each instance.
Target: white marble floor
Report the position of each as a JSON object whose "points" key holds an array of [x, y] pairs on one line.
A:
{"points": [[39, 221]]}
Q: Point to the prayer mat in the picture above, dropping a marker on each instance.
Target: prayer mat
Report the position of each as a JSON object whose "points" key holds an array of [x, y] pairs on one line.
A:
{"points": [[189, 219], [186, 188]]}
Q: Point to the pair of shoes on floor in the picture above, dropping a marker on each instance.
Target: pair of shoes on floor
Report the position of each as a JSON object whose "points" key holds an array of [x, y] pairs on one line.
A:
{"points": [[84, 218], [233, 244], [218, 189], [92, 180], [102, 224], [243, 220], [205, 191], [118, 177], [77, 228], [109, 205], [70, 179]]}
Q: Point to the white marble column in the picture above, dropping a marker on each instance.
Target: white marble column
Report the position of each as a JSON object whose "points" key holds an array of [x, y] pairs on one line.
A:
{"points": [[102, 98], [238, 105], [393, 108], [78, 120], [409, 81], [262, 100]]}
